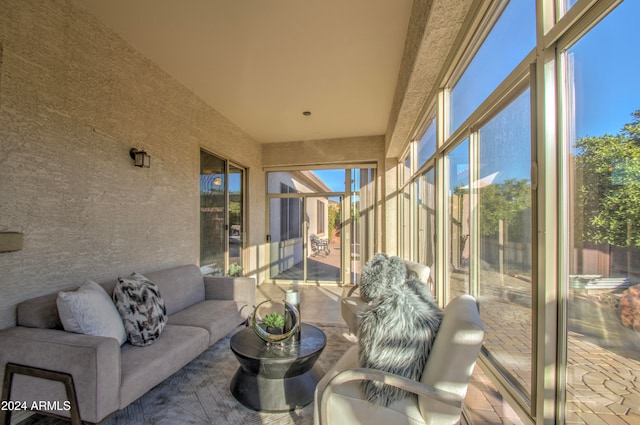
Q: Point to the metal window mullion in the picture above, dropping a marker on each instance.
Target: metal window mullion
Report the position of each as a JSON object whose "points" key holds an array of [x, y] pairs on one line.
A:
{"points": [[474, 213], [550, 244], [346, 229]]}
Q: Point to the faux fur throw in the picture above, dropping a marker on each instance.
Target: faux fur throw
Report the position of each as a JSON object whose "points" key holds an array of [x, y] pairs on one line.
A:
{"points": [[397, 330]]}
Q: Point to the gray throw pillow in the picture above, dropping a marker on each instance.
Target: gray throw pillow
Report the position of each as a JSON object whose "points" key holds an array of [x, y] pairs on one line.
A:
{"points": [[142, 309], [90, 311]]}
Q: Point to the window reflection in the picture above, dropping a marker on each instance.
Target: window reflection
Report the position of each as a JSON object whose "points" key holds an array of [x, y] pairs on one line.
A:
{"points": [[458, 219], [603, 351], [504, 202]]}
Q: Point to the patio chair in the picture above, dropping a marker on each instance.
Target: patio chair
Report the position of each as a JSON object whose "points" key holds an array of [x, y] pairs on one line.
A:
{"points": [[351, 304], [319, 245], [439, 394]]}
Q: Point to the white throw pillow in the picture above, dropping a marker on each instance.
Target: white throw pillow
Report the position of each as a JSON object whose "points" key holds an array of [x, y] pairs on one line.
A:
{"points": [[90, 311]]}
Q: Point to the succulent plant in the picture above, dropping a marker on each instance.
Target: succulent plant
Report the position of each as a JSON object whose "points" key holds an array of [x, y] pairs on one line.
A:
{"points": [[273, 320]]}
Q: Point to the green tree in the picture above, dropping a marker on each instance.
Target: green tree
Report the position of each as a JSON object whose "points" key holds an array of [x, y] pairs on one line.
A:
{"points": [[608, 182], [334, 217]]}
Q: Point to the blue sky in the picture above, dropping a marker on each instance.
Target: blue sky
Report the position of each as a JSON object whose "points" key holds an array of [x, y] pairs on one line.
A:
{"points": [[607, 68], [332, 178]]}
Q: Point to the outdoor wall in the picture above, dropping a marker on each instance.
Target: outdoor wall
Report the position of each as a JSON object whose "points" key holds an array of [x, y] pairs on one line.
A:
{"points": [[74, 98], [331, 151]]}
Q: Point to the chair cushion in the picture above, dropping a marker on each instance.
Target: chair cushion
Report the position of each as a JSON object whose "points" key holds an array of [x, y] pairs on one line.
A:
{"points": [[453, 356], [348, 405], [351, 308], [90, 311], [417, 271], [142, 309]]}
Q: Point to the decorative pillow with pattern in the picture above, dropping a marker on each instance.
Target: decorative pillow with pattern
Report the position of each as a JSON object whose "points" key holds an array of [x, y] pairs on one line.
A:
{"points": [[141, 307]]}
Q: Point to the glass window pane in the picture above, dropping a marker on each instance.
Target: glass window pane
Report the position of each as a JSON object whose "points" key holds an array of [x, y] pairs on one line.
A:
{"points": [[306, 181], [286, 244], [510, 40], [426, 221], [363, 233], [334, 180], [458, 219], [504, 202], [323, 242], [603, 104], [212, 213], [405, 223], [427, 144], [405, 169], [565, 5], [236, 213]]}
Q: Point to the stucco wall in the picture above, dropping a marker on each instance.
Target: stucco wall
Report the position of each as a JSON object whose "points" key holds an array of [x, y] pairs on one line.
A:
{"points": [[74, 98], [330, 151]]}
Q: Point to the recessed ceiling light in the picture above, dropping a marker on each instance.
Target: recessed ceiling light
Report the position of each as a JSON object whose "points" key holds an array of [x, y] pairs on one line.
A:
{"points": [[306, 113]]}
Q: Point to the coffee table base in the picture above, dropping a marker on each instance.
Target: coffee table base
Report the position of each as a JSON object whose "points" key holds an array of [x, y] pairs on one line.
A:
{"points": [[275, 395]]}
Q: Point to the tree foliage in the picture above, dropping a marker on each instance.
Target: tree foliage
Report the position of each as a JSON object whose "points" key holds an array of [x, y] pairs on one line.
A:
{"points": [[334, 217], [608, 185], [503, 201]]}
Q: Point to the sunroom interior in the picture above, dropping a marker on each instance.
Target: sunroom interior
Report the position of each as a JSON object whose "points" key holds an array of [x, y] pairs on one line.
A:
{"points": [[496, 141]]}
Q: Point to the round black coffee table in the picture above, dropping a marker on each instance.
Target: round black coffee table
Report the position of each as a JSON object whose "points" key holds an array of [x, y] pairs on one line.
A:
{"points": [[273, 378]]}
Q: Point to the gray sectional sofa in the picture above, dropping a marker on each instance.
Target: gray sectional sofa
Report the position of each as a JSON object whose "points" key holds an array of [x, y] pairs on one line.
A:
{"points": [[106, 376]]}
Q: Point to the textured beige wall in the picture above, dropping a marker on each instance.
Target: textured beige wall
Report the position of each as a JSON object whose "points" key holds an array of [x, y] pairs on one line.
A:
{"points": [[74, 98], [432, 39], [331, 151]]}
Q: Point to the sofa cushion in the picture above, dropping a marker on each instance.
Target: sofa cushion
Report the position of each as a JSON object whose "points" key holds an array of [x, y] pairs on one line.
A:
{"points": [[142, 309], [226, 313], [90, 311], [180, 286], [145, 367], [39, 312]]}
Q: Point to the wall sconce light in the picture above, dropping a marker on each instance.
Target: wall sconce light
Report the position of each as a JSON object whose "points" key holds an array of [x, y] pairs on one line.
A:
{"points": [[140, 158]]}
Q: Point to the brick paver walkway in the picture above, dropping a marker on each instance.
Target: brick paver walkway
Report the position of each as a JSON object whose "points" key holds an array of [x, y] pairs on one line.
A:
{"points": [[603, 387]]}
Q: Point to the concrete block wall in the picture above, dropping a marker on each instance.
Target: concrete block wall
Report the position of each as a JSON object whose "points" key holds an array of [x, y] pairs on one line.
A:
{"points": [[74, 98]]}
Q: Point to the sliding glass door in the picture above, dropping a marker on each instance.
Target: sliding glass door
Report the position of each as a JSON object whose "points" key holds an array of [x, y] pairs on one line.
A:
{"points": [[221, 214], [320, 224]]}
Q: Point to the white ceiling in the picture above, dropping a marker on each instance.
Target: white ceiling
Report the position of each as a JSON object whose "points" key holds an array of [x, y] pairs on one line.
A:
{"points": [[262, 63]]}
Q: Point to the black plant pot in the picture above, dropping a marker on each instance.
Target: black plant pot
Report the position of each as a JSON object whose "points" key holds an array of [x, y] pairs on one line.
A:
{"points": [[274, 331]]}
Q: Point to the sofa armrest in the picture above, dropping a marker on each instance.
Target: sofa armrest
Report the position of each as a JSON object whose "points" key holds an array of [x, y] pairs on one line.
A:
{"points": [[93, 362], [239, 289]]}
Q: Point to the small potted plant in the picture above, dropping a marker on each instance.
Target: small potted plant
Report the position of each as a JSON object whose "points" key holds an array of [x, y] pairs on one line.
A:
{"points": [[273, 322], [235, 270]]}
